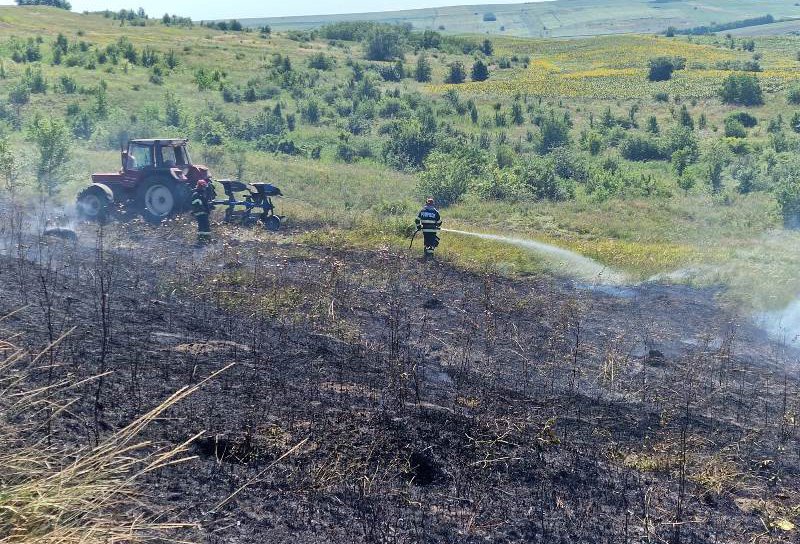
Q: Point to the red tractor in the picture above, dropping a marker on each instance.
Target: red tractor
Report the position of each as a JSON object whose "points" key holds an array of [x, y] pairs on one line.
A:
{"points": [[156, 181]]}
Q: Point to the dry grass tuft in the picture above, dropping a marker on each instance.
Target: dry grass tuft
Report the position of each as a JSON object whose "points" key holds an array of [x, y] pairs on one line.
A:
{"points": [[49, 495]]}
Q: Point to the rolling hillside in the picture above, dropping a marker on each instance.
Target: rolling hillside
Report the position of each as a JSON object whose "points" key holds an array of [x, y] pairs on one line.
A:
{"points": [[559, 18]]}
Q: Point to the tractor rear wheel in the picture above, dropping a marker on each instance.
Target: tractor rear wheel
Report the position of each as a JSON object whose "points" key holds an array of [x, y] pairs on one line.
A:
{"points": [[94, 204], [157, 200]]}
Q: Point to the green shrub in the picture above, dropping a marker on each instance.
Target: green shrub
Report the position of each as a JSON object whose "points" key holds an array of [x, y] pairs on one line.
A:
{"points": [[742, 89], [734, 128], [747, 120], [660, 69], [394, 72], [389, 108], [538, 176], [19, 94], [384, 42], [409, 143], [448, 176], [320, 61], [310, 112], [603, 184], [277, 144], [67, 85], [679, 138], [82, 124], [231, 94], [639, 147], [745, 173], [34, 80]]}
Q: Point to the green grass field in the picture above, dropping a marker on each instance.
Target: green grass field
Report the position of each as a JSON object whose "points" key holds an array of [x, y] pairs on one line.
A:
{"points": [[340, 186], [558, 18]]}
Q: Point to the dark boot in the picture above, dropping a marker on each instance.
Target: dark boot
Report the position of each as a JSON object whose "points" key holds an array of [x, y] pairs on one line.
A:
{"points": [[203, 230]]}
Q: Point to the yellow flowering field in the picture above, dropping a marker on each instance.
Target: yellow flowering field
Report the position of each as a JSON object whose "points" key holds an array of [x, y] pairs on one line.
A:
{"points": [[615, 67]]}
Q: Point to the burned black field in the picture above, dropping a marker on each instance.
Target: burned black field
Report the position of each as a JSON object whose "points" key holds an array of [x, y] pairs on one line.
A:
{"points": [[377, 398]]}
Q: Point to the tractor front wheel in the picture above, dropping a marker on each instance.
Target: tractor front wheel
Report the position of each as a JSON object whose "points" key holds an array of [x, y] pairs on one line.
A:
{"points": [[157, 200], [94, 204]]}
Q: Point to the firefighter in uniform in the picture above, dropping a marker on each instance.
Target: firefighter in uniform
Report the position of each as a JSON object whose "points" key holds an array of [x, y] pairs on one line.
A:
{"points": [[201, 207], [429, 222]]}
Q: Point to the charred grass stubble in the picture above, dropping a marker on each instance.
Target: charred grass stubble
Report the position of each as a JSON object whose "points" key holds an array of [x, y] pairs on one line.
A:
{"points": [[429, 404]]}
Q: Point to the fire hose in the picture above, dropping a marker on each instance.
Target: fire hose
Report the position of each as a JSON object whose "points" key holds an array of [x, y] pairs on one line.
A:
{"points": [[412, 238]]}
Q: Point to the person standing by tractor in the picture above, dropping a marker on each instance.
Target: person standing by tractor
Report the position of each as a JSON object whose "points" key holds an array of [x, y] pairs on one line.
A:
{"points": [[201, 208], [429, 222]]}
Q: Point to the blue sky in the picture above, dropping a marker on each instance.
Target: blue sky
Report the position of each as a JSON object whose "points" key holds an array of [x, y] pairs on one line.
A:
{"points": [[199, 9]]}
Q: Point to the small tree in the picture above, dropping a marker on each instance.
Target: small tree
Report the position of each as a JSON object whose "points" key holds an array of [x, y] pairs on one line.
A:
{"points": [[456, 73], [8, 166], [793, 96], [685, 118], [786, 177], [310, 112], [555, 133], [101, 107], [517, 115], [794, 122], [686, 183], [473, 114], [52, 140], [173, 115], [487, 48], [422, 71], [681, 159], [652, 125], [479, 71]]}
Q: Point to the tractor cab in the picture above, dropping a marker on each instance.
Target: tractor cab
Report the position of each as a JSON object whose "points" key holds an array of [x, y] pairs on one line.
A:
{"points": [[148, 156]]}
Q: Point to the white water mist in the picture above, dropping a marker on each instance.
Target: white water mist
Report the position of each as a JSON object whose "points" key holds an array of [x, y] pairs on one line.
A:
{"points": [[562, 260]]}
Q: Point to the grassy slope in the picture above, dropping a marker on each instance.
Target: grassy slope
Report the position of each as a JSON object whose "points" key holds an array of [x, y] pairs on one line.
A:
{"points": [[775, 29], [560, 17], [734, 240]]}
